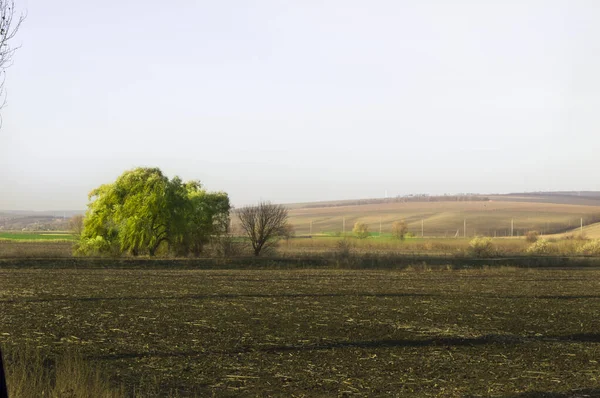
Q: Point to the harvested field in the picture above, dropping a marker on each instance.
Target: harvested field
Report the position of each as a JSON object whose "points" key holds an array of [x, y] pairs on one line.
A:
{"points": [[444, 219], [35, 249], [591, 231], [494, 332]]}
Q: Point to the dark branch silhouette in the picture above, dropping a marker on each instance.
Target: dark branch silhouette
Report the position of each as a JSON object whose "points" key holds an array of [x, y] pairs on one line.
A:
{"points": [[263, 223], [9, 25]]}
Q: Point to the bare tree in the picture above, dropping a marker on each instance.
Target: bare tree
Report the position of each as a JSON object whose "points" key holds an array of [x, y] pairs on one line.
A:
{"points": [[263, 223], [399, 229], [9, 26], [3, 389], [76, 225], [8, 29]]}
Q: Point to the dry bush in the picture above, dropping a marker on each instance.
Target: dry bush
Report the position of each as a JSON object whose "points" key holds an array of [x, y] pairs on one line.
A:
{"points": [[287, 231], [361, 230], [591, 248], [76, 224], [344, 248], [399, 229], [430, 246], [228, 246], [30, 375], [541, 247], [481, 247], [567, 247], [579, 237], [422, 267], [532, 236]]}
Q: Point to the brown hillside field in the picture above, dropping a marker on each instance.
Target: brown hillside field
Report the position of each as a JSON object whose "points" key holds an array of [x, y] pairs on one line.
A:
{"points": [[591, 231], [444, 219]]}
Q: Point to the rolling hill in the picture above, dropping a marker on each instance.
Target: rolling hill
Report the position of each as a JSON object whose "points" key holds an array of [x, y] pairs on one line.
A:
{"points": [[548, 213]]}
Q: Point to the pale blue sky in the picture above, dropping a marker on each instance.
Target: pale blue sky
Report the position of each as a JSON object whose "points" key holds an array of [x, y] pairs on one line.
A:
{"points": [[303, 100]]}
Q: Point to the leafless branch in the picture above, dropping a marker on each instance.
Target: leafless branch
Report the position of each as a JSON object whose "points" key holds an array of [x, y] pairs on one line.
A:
{"points": [[9, 26], [263, 223]]}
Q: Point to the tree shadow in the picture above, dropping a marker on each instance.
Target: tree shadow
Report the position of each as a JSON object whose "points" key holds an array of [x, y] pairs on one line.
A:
{"points": [[588, 392], [542, 297], [370, 344], [498, 339], [218, 296], [580, 337]]}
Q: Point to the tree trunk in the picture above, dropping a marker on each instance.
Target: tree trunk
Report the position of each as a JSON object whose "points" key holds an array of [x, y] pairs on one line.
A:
{"points": [[3, 389], [152, 250]]}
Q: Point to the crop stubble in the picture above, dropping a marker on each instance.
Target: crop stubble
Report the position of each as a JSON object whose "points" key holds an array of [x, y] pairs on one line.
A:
{"points": [[493, 332]]}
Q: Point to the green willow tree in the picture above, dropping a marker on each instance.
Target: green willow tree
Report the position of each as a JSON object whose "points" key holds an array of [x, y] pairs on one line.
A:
{"points": [[143, 211]]}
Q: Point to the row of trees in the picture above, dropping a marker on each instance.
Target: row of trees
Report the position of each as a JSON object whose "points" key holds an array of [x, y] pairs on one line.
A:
{"points": [[143, 212]]}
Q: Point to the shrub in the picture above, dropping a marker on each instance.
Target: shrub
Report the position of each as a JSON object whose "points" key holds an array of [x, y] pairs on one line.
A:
{"points": [[344, 248], [591, 248], [542, 246], [532, 236], [228, 246], [96, 246], [287, 231], [399, 229], [33, 374], [575, 237], [481, 247], [360, 230]]}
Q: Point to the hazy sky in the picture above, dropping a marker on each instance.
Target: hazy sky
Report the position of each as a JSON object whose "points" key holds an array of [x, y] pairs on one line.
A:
{"points": [[303, 100]]}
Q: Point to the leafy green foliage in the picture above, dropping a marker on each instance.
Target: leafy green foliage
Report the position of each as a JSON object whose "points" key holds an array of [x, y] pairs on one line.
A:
{"points": [[143, 210]]}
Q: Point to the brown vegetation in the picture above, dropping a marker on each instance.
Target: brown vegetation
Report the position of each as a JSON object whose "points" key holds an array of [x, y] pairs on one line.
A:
{"points": [[31, 375], [532, 236], [399, 229], [360, 230]]}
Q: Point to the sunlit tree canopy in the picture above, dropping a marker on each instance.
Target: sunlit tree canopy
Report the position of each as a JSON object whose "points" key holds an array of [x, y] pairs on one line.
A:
{"points": [[143, 211]]}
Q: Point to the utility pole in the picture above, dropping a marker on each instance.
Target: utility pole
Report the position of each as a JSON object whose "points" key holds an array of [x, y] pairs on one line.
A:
{"points": [[512, 227], [582, 225]]}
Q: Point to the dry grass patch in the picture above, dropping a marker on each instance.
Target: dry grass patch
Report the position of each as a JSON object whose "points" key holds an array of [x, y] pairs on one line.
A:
{"points": [[32, 375]]}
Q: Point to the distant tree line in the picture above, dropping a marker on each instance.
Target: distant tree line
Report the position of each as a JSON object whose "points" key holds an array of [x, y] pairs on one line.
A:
{"points": [[145, 213], [403, 199]]}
